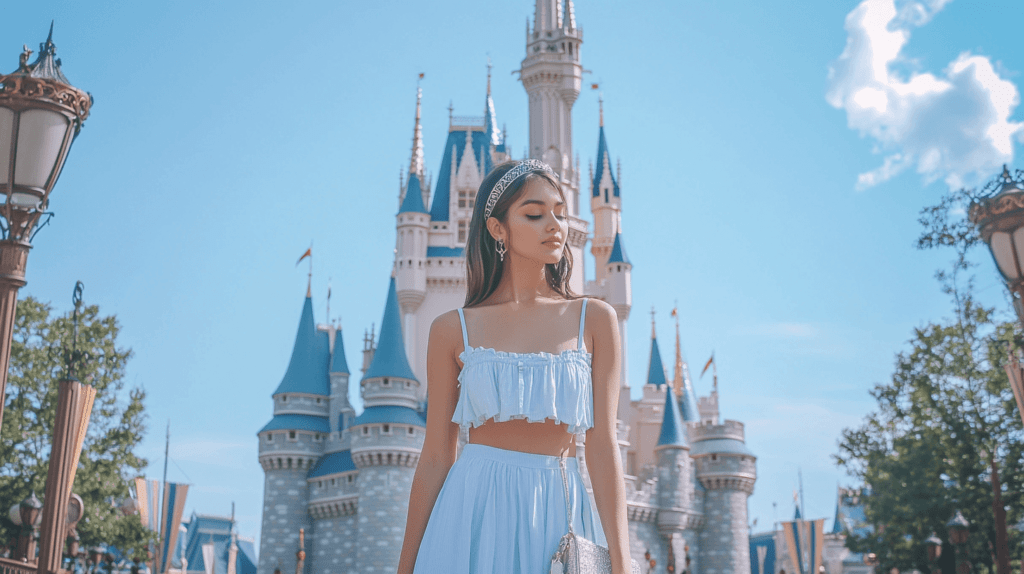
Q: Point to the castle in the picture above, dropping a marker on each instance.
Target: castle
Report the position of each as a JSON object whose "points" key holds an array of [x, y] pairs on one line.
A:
{"points": [[345, 478]]}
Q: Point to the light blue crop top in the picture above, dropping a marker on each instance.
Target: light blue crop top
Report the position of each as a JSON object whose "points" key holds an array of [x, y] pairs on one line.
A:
{"points": [[531, 386]]}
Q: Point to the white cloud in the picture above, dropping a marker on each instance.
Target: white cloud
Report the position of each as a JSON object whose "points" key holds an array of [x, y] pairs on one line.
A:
{"points": [[956, 127]]}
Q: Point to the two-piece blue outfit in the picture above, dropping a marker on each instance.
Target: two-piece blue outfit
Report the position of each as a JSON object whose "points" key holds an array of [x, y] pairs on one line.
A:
{"points": [[503, 511]]}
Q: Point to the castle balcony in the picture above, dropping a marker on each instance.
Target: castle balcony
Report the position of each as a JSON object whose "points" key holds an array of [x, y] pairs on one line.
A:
{"points": [[334, 507], [287, 461], [391, 392], [677, 519]]}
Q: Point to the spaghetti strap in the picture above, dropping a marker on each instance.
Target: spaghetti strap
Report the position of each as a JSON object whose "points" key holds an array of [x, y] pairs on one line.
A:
{"points": [[465, 337], [583, 320]]}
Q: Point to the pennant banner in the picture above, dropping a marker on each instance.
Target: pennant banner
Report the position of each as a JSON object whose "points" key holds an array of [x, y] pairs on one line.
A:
{"points": [[174, 505], [141, 499], [804, 540], [154, 505]]}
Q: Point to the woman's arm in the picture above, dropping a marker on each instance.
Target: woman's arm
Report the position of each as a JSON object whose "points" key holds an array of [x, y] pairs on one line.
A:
{"points": [[602, 447], [441, 440]]}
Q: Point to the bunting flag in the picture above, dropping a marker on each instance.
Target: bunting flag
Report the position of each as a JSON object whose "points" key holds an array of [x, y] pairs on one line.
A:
{"points": [[308, 253], [154, 505], [174, 505], [708, 364], [804, 539], [209, 560], [141, 499]]}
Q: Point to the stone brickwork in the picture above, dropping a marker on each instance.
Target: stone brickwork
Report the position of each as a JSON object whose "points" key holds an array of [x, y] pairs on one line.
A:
{"points": [[644, 537], [285, 495], [383, 510], [725, 541], [334, 548]]}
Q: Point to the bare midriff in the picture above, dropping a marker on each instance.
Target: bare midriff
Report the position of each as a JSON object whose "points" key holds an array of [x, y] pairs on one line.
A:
{"points": [[546, 437]]}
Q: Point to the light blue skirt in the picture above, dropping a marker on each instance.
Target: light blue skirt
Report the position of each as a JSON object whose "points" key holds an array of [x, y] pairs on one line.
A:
{"points": [[503, 512]]}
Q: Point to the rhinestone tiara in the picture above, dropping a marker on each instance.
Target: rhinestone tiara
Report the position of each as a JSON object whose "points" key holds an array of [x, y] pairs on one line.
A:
{"points": [[522, 168]]}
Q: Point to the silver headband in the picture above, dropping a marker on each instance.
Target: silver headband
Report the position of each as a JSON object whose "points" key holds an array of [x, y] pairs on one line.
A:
{"points": [[522, 168]]}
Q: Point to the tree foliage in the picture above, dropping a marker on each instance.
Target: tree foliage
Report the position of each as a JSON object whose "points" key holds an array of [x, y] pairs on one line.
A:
{"points": [[116, 426], [947, 411]]}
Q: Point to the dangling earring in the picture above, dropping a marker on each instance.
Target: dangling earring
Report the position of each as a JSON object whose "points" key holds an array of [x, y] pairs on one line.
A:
{"points": [[501, 250]]}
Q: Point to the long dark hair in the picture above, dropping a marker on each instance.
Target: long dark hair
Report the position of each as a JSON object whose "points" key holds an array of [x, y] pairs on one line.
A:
{"points": [[483, 267]]}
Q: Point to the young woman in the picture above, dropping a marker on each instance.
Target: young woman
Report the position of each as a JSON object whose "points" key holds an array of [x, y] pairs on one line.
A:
{"points": [[525, 365]]}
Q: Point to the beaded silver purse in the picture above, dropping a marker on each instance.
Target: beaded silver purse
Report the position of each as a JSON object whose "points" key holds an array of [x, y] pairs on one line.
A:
{"points": [[576, 554]]}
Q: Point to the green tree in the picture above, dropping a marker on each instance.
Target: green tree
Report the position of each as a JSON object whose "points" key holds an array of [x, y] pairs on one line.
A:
{"points": [[116, 427], [946, 417]]}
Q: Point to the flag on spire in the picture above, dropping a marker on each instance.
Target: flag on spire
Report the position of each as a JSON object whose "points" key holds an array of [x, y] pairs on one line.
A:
{"points": [[710, 362], [308, 253]]}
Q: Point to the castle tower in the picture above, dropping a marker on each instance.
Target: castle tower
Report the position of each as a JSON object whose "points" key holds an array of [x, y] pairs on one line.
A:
{"points": [[727, 470], [331, 483], [386, 441], [413, 225], [606, 205], [647, 413], [618, 273], [292, 441], [552, 75], [677, 522]]}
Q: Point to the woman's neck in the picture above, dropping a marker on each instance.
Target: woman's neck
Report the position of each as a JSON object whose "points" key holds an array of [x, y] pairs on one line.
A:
{"points": [[523, 283]]}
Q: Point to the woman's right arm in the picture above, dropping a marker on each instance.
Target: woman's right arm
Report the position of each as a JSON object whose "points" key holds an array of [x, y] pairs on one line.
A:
{"points": [[442, 436]]}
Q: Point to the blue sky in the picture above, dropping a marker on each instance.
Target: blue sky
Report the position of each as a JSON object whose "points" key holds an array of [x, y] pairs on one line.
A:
{"points": [[770, 186]]}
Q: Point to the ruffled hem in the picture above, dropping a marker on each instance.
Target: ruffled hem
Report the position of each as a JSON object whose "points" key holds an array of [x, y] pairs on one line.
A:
{"points": [[529, 386]]}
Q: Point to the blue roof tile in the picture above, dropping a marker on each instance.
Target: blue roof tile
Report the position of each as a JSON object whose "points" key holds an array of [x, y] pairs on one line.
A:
{"points": [[673, 432], [307, 369], [390, 414], [603, 156], [440, 251], [688, 402], [442, 192], [618, 254], [389, 359], [656, 370], [332, 463], [338, 362], [413, 202], [297, 422]]}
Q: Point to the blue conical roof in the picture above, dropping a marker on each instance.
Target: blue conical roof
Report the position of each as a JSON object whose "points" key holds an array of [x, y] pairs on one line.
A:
{"points": [[618, 254], [389, 359], [656, 370], [604, 157], [307, 369], [413, 202], [338, 362], [796, 515], [672, 430]]}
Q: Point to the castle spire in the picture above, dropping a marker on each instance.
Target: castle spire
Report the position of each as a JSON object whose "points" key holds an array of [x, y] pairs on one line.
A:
{"points": [[677, 375], [307, 369], [673, 431], [389, 360], [490, 119], [656, 369], [416, 161]]}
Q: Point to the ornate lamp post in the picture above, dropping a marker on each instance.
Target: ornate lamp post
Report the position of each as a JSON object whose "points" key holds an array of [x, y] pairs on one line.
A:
{"points": [[40, 115], [957, 527], [30, 511], [999, 215], [934, 552]]}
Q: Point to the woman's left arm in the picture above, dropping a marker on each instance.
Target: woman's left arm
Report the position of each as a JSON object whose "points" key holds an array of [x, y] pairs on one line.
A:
{"points": [[602, 447]]}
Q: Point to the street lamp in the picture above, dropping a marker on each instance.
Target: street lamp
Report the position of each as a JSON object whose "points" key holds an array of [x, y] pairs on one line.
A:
{"points": [[957, 528], [40, 115], [30, 512]]}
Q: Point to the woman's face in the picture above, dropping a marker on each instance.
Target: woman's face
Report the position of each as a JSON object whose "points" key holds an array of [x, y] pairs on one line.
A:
{"points": [[537, 223]]}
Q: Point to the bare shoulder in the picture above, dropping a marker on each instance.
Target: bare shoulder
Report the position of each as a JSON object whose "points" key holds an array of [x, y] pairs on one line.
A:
{"points": [[602, 322], [447, 326]]}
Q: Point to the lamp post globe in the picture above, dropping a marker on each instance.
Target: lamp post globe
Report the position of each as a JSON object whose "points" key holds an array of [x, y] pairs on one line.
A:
{"points": [[999, 215], [40, 115]]}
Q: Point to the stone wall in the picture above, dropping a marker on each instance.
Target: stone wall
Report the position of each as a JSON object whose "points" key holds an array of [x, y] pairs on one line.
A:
{"points": [[285, 495], [383, 510], [725, 541], [334, 548]]}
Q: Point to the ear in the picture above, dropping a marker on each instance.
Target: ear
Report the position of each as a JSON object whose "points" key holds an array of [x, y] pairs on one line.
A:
{"points": [[496, 229]]}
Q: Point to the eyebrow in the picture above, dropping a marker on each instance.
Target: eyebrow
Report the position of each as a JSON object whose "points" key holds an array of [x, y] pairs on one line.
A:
{"points": [[539, 202]]}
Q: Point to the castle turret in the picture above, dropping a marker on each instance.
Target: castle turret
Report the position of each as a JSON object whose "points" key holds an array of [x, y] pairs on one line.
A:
{"points": [[552, 75], [413, 224], [677, 522], [681, 382], [727, 470], [619, 294], [606, 204], [292, 442], [341, 411], [386, 442]]}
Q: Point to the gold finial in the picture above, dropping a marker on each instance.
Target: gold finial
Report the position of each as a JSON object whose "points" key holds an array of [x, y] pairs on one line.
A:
{"points": [[489, 66], [451, 112], [653, 333], [600, 107], [677, 379]]}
